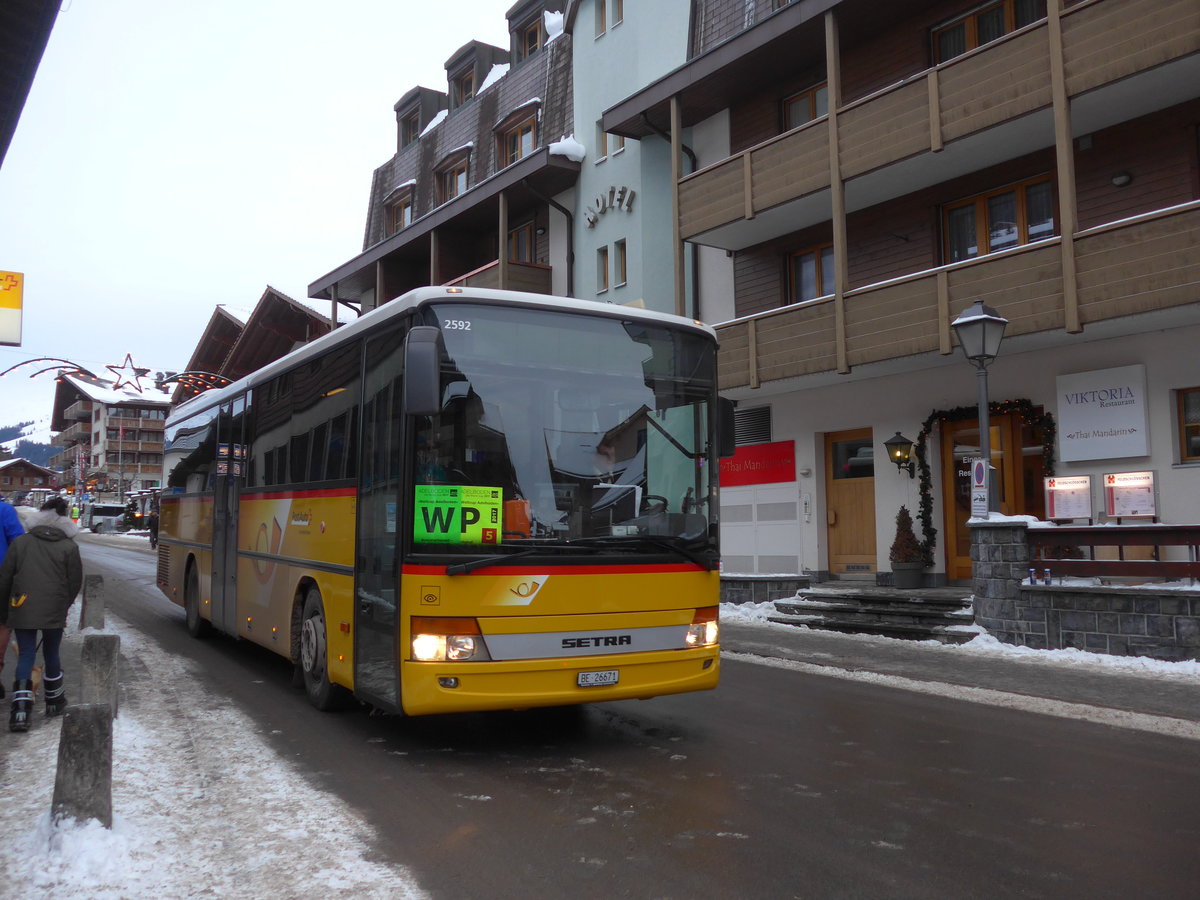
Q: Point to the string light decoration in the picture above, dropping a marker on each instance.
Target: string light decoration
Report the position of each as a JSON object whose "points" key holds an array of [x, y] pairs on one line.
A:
{"points": [[194, 381], [1042, 422], [60, 365]]}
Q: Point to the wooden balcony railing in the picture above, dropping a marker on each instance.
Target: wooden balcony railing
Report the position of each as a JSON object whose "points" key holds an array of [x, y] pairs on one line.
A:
{"points": [[530, 277], [1074, 550], [1138, 265], [1104, 41]]}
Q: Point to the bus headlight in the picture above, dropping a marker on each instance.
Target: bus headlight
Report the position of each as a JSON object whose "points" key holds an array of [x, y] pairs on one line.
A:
{"points": [[704, 631], [447, 640]]}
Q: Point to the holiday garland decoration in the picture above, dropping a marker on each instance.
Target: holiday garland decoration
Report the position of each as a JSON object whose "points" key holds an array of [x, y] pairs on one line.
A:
{"points": [[1029, 414]]}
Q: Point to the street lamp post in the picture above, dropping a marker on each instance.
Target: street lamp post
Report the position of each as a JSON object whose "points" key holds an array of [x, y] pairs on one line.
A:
{"points": [[980, 329]]}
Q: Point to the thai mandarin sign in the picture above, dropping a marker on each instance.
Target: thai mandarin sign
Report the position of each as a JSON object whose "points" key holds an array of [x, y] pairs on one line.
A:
{"points": [[1103, 414], [760, 464], [12, 288], [1068, 497], [1129, 494], [457, 514]]}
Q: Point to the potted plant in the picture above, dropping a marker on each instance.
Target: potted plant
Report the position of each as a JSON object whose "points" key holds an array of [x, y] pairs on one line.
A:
{"points": [[908, 561]]}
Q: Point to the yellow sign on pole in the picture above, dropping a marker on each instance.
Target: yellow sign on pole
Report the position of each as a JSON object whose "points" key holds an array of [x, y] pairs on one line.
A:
{"points": [[12, 285]]}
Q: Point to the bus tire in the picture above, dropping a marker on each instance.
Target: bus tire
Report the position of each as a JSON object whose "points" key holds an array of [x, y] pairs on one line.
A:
{"points": [[314, 659], [197, 625]]}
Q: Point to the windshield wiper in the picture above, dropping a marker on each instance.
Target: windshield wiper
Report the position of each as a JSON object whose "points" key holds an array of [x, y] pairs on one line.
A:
{"points": [[674, 544], [522, 550]]}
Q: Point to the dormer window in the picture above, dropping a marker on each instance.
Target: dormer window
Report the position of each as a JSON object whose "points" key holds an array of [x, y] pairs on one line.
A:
{"points": [[410, 127], [452, 175], [530, 38], [518, 141], [462, 85], [400, 214]]}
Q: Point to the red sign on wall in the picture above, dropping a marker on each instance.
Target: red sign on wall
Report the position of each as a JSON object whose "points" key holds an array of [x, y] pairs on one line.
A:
{"points": [[760, 464]]}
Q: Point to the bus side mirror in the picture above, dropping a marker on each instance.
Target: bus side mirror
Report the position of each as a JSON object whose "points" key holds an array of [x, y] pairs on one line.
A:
{"points": [[423, 371], [726, 440]]}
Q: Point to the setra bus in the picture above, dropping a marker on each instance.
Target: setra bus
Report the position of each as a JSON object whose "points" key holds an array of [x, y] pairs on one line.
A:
{"points": [[465, 500]]}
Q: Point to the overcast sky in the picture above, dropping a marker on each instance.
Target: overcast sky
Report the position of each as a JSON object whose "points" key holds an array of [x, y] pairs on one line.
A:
{"points": [[173, 156]]}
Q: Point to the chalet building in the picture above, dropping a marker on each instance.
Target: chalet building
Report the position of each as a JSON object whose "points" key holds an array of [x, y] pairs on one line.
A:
{"points": [[865, 171], [477, 192], [111, 440], [19, 477], [236, 341]]}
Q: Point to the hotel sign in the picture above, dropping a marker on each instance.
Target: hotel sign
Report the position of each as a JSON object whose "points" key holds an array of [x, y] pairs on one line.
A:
{"points": [[1103, 414], [12, 287]]}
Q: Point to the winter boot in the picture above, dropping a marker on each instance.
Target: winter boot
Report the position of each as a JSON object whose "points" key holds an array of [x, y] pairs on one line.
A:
{"points": [[56, 696], [22, 705]]}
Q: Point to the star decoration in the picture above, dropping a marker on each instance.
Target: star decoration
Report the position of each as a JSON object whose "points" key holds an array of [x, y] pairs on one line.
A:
{"points": [[133, 380]]}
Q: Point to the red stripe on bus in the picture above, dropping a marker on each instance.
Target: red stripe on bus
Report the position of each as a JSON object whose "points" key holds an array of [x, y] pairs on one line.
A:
{"points": [[621, 569], [324, 492]]}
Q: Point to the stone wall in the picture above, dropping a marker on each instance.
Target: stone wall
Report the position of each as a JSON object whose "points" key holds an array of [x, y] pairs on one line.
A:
{"points": [[749, 589], [1114, 619]]}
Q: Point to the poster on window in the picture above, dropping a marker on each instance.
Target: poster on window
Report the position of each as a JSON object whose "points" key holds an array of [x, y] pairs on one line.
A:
{"points": [[1103, 414], [1129, 494], [1069, 497]]}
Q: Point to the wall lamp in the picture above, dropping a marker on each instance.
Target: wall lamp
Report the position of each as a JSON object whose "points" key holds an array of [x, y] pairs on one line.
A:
{"points": [[899, 451], [1121, 179]]}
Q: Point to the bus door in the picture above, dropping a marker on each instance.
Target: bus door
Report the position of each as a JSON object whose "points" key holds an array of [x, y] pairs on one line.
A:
{"points": [[230, 475], [376, 569]]}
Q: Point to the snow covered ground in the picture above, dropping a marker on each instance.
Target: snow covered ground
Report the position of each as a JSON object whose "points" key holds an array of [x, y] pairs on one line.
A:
{"points": [[183, 827]]}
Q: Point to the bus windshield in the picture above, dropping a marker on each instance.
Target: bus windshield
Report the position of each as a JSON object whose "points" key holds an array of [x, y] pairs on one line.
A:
{"points": [[561, 428]]}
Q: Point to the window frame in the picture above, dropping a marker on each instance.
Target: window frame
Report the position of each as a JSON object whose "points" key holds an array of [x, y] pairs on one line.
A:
{"points": [[811, 95], [1181, 396], [620, 263], [527, 230], [462, 85], [970, 21], [535, 27], [982, 232], [602, 280], [817, 251], [516, 130], [398, 211], [410, 128], [447, 178]]}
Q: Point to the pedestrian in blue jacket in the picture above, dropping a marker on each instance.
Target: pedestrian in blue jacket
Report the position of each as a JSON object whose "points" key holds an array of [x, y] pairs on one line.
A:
{"points": [[10, 529]]}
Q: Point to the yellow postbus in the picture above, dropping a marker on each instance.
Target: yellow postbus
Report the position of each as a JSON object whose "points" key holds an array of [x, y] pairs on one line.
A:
{"points": [[465, 500]]}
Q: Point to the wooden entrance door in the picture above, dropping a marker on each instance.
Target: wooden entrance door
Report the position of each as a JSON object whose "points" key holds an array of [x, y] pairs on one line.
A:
{"points": [[850, 501], [1017, 467]]}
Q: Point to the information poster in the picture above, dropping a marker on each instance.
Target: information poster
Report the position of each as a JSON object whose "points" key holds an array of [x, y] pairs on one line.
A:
{"points": [[1069, 497], [457, 514], [1129, 494]]}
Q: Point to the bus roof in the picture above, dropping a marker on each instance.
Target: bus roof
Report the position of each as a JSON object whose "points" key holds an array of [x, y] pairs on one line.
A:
{"points": [[413, 299]]}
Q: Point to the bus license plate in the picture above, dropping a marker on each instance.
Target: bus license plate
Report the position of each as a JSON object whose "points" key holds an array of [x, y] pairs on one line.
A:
{"points": [[598, 679]]}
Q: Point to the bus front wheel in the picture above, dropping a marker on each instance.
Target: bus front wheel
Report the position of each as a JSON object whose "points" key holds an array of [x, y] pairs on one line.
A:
{"points": [[197, 625], [314, 659]]}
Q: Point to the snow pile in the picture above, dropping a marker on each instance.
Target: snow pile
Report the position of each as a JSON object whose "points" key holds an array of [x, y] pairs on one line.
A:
{"points": [[553, 22], [569, 147], [434, 122], [239, 824], [499, 70]]}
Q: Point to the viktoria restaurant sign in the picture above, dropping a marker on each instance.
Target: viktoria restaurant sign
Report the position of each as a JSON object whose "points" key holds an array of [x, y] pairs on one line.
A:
{"points": [[1102, 414]]}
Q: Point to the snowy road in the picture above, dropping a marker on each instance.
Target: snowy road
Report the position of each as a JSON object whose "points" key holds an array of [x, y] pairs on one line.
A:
{"points": [[780, 784]]}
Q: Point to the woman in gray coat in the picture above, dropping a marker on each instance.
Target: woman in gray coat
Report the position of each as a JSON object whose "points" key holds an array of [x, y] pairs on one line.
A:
{"points": [[41, 575]]}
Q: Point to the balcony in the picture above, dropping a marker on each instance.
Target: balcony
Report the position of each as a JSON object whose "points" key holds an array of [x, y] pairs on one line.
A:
{"points": [[1121, 59], [1141, 265], [73, 434], [529, 277], [79, 411]]}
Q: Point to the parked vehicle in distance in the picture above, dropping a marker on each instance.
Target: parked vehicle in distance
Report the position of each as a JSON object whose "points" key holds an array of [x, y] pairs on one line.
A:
{"points": [[102, 517]]}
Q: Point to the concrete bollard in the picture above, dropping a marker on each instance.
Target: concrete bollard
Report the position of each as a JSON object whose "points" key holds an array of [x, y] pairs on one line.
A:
{"points": [[83, 783], [91, 613], [98, 679]]}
